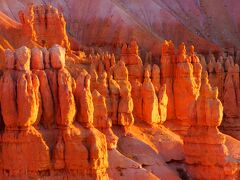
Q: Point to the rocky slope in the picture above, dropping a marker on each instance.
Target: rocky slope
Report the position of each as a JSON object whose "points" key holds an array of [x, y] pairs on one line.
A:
{"points": [[206, 24]]}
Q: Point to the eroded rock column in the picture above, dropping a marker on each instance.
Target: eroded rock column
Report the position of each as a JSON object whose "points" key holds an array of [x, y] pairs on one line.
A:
{"points": [[207, 154], [185, 89], [20, 103]]}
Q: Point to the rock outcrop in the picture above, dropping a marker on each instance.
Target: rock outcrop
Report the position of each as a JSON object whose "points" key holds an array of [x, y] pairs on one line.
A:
{"points": [[130, 56], [167, 64], [133, 62], [204, 139], [156, 78], [45, 24], [101, 113], [70, 141], [46, 108], [231, 93], [101, 120], [20, 108], [162, 103], [150, 101], [115, 96], [29, 83], [220, 74], [197, 67], [125, 106], [84, 100], [185, 88], [137, 99]]}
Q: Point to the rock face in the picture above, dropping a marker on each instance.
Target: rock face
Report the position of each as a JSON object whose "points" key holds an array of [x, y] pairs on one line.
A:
{"points": [[133, 62], [128, 74], [150, 101], [185, 87], [125, 117], [220, 74], [197, 67], [46, 107], [115, 95], [137, 99], [125, 106], [44, 96], [57, 56], [20, 105], [99, 115], [163, 101], [204, 139], [101, 120], [70, 140], [102, 87], [84, 100], [231, 93], [164, 23], [156, 78], [224, 75], [167, 61], [38, 26], [46, 25], [100, 111]]}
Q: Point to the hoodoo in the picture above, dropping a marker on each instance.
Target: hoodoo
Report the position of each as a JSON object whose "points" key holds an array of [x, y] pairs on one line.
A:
{"points": [[91, 90]]}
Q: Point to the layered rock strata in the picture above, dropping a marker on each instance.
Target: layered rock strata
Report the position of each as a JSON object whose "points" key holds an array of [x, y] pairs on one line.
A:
{"points": [[38, 95], [208, 156]]}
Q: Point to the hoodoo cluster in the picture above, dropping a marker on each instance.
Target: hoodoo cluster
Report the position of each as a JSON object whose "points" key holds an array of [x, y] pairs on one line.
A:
{"points": [[99, 115]]}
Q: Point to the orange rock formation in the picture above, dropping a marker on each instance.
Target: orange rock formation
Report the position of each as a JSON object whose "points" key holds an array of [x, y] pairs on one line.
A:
{"points": [[45, 25], [184, 87], [20, 107], [208, 155], [102, 115], [167, 63], [81, 152], [150, 101]]}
